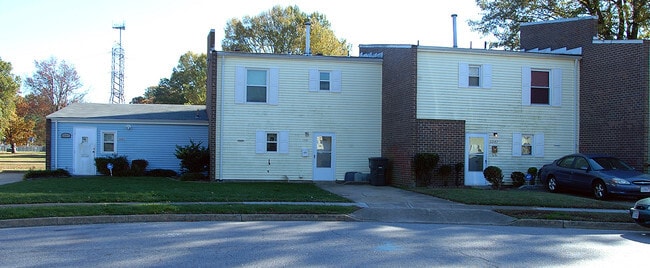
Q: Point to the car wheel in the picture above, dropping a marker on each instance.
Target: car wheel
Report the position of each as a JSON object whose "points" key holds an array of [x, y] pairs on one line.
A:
{"points": [[551, 184], [599, 190]]}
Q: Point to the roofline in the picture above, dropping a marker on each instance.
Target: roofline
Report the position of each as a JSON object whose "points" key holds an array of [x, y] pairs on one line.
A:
{"points": [[297, 56], [496, 52], [387, 46], [559, 20], [130, 121]]}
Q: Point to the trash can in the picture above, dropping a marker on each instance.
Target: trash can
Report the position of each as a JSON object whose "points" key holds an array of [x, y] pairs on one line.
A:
{"points": [[378, 171]]}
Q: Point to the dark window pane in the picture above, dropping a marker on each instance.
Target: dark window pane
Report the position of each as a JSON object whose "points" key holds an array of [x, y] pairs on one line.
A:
{"points": [[255, 94], [109, 147], [539, 79], [539, 96], [324, 85], [271, 147], [473, 81]]}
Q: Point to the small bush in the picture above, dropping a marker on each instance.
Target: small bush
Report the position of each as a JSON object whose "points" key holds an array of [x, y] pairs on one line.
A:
{"points": [[494, 176], [195, 176], [458, 168], [518, 178], [59, 173], [424, 163], [138, 167], [194, 157], [444, 172], [120, 165], [161, 173]]}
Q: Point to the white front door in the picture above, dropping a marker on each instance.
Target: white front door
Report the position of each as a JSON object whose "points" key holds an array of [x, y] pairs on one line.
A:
{"points": [[475, 159], [324, 156], [84, 146]]}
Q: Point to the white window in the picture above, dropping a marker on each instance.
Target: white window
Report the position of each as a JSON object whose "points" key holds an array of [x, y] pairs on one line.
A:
{"points": [[109, 139], [324, 81], [541, 86], [528, 144], [254, 85], [474, 75], [271, 142]]}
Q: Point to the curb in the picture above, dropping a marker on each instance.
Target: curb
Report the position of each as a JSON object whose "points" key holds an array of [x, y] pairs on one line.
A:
{"points": [[578, 224], [54, 221]]}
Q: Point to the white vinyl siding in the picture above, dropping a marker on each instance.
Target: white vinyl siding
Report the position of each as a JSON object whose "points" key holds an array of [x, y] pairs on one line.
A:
{"points": [[500, 110], [484, 75], [354, 117]]}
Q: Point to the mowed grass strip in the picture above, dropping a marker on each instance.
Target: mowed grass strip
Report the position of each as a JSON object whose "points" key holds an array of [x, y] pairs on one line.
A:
{"points": [[157, 209], [513, 197], [99, 189], [568, 216]]}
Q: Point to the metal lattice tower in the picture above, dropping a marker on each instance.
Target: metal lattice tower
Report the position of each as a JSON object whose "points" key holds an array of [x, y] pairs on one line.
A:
{"points": [[117, 70]]}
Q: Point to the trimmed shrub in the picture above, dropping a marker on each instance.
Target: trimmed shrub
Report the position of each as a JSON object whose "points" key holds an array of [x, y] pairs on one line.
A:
{"points": [[194, 176], [194, 157], [518, 178], [120, 165], [444, 171], [424, 163], [494, 176], [58, 173], [138, 167], [161, 173]]}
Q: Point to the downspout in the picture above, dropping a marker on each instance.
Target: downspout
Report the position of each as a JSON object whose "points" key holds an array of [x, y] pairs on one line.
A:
{"points": [[576, 114], [221, 109]]}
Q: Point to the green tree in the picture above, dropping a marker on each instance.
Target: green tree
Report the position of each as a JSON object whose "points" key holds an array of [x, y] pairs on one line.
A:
{"points": [[186, 85], [9, 86], [617, 19], [282, 30], [56, 81]]}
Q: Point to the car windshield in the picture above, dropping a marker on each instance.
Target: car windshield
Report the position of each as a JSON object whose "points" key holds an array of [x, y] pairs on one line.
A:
{"points": [[608, 163]]}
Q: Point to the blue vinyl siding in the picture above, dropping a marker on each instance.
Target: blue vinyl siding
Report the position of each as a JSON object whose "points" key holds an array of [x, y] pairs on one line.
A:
{"points": [[155, 143]]}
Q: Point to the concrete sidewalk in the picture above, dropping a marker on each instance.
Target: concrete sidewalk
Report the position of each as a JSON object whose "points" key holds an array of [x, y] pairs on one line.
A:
{"points": [[11, 177]]}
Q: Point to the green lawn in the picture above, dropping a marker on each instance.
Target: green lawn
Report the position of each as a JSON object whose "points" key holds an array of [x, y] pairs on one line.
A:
{"points": [[156, 193]]}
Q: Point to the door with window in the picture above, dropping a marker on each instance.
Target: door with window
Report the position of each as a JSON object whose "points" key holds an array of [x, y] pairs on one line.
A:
{"points": [[84, 147], [475, 159], [324, 156]]}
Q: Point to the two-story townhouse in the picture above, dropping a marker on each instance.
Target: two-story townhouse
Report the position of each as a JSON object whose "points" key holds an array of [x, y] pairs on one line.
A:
{"points": [[291, 117], [508, 109], [615, 83]]}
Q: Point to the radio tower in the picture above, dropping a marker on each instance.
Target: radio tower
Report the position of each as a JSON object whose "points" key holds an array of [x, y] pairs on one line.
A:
{"points": [[117, 70]]}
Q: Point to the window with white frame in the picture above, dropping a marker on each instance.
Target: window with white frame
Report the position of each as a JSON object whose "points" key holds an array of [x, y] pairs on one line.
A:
{"points": [[271, 142], [474, 75], [540, 88], [109, 142], [324, 80], [256, 85], [528, 144]]}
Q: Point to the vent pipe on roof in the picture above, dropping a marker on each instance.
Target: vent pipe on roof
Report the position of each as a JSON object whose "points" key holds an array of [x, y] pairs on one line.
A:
{"points": [[307, 33], [453, 19]]}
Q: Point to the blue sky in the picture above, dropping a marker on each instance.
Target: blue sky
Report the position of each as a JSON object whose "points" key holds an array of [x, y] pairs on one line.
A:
{"points": [[158, 32]]}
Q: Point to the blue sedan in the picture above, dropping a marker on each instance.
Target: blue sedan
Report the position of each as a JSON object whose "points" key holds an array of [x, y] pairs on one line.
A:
{"points": [[599, 174]]}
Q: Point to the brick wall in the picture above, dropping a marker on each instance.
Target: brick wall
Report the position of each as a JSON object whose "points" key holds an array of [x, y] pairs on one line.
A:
{"points": [[614, 101], [569, 33], [445, 138], [399, 126]]}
